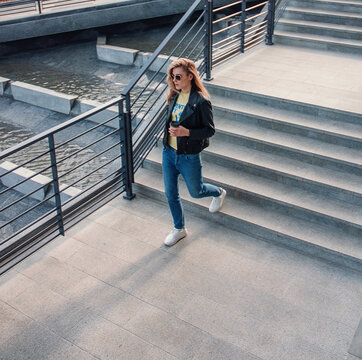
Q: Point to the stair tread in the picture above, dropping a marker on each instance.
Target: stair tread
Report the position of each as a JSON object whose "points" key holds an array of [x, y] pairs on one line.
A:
{"points": [[353, 131], [290, 141], [323, 12], [288, 166], [321, 25], [316, 234], [329, 39], [266, 188]]}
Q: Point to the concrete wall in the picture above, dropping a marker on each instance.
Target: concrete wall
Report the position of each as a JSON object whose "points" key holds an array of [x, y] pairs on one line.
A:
{"points": [[98, 14]]}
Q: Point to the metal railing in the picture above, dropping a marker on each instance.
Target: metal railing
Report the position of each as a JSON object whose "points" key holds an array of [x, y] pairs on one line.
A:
{"points": [[61, 188], [15, 7], [77, 167]]}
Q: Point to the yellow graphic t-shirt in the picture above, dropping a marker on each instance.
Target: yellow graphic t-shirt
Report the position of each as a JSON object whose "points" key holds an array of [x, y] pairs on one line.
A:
{"points": [[180, 104]]}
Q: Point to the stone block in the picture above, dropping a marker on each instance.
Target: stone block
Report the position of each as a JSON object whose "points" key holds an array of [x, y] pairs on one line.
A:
{"points": [[45, 98], [116, 54], [3, 84], [41, 182]]}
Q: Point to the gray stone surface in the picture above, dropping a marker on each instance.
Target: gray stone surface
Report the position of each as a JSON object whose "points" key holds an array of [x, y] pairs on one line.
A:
{"points": [[39, 96], [110, 289], [356, 346]]}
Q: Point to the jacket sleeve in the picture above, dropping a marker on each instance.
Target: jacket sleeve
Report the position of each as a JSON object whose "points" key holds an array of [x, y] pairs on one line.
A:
{"points": [[206, 119]]}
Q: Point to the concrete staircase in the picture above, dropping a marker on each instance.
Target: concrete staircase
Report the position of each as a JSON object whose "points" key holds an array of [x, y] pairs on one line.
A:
{"points": [[322, 24], [293, 173]]}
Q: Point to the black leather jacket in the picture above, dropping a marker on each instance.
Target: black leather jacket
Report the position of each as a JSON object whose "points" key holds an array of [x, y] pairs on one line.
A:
{"points": [[198, 118]]}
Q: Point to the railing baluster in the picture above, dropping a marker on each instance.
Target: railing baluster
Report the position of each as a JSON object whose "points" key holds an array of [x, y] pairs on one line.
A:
{"points": [[243, 18], [58, 203], [125, 127], [271, 17], [208, 38]]}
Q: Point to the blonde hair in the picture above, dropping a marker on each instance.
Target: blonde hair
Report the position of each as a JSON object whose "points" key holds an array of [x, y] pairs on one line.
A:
{"points": [[190, 68]]}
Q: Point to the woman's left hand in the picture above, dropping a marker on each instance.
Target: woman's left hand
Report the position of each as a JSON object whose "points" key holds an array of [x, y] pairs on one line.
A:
{"points": [[179, 131]]}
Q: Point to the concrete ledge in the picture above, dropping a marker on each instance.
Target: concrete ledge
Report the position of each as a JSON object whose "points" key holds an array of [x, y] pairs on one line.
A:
{"points": [[3, 84], [42, 97], [116, 54], [126, 56], [41, 182]]}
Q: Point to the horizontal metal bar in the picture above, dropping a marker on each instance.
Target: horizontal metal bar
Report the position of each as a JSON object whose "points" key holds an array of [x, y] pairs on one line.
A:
{"points": [[228, 44], [140, 147], [226, 28], [255, 33], [121, 174], [28, 225], [92, 172], [25, 196], [15, 250], [24, 180], [257, 25], [227, 53], [157, 52], [256, 6], [86, 147], [86, 132], [87, 161], [256, 38], [55, 129], [249, 46], [255, 16], [226, 17], [25, 163], [228, 38], [25, 212], [226, 6]]}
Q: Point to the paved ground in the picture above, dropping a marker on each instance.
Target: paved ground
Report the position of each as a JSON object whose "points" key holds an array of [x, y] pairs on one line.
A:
{"points": [[329, 79], [109, 289]]}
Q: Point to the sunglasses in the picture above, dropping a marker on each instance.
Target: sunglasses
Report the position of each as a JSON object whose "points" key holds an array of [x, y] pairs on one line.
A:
{"points": [[178, 77]]}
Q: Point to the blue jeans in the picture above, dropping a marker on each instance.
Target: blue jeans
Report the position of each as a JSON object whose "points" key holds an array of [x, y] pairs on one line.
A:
{"points": [[189, 166]]}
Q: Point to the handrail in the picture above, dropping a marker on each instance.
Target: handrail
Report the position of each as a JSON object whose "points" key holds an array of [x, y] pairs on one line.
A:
{"points": [[141, 118], [36, 138], [158, 50]]}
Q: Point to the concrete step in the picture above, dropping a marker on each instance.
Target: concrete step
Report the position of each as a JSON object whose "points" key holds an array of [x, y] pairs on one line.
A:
{"points": [[323, 29], [324, 16], [287, 199], [286, 121], [265, 105], [350, 6], [318, 42], [295, 147], [245, 216]]}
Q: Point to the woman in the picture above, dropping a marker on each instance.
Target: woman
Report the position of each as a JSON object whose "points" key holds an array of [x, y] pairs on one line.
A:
{"points": [[188, 128]]}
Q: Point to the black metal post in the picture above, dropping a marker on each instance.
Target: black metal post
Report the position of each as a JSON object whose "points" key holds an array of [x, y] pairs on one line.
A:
{"points": [[208, 38], [58, 203], [125, 127], [39, 6], [271, 18], [243, 18]]}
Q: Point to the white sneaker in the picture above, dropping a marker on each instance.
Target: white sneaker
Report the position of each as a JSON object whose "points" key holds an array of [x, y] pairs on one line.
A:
{"points": [[174, 236], [216, 202]]}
